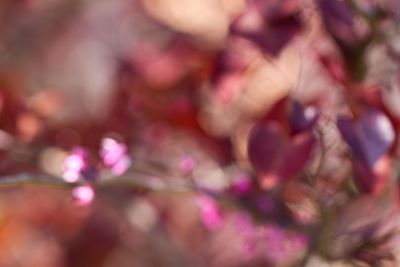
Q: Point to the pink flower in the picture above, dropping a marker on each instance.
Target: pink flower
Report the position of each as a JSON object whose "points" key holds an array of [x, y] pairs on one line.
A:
{"points": [[74, 163], [114, 155], [121, 165]]}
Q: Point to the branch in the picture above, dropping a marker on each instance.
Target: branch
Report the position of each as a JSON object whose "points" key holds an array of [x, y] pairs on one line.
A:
{"points": [[45, 180]]}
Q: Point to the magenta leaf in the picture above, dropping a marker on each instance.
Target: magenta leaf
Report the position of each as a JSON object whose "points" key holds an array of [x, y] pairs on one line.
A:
{"points": [[275, 155], [297, 154], [266, 144]]}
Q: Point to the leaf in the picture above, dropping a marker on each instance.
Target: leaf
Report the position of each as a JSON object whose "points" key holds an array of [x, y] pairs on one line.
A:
{"points": [[370, 137], [351, 34], [297, 154], [266, 144], [268, 24], [378, 132], [339, 20], [275, 155], [348, 131]]}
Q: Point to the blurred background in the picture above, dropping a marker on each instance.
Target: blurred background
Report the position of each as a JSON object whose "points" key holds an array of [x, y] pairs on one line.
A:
{"points": [[124, 129]]}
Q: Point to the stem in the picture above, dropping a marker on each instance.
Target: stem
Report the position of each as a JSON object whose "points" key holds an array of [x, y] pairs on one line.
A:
{"points": [[325, 232], [44, 180]]}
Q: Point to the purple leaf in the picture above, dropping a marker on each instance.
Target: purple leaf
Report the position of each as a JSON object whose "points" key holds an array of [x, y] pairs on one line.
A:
{"points": [[338, 19], [268, 24], [337, 10], [349, 133], [370, 137], [379, 134]]}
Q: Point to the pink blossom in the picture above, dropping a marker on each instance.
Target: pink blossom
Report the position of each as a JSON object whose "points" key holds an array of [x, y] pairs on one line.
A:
{"points": [[74, 163], [121, 166], [114, 155]]}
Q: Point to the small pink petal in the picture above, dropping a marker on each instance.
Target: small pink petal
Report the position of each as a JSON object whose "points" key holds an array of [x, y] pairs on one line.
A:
{"points": [[112, 151], [187, 164], [241, 185], [209, 212], [71, 176], [121, 166], [83, 195], [74, 162]]}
